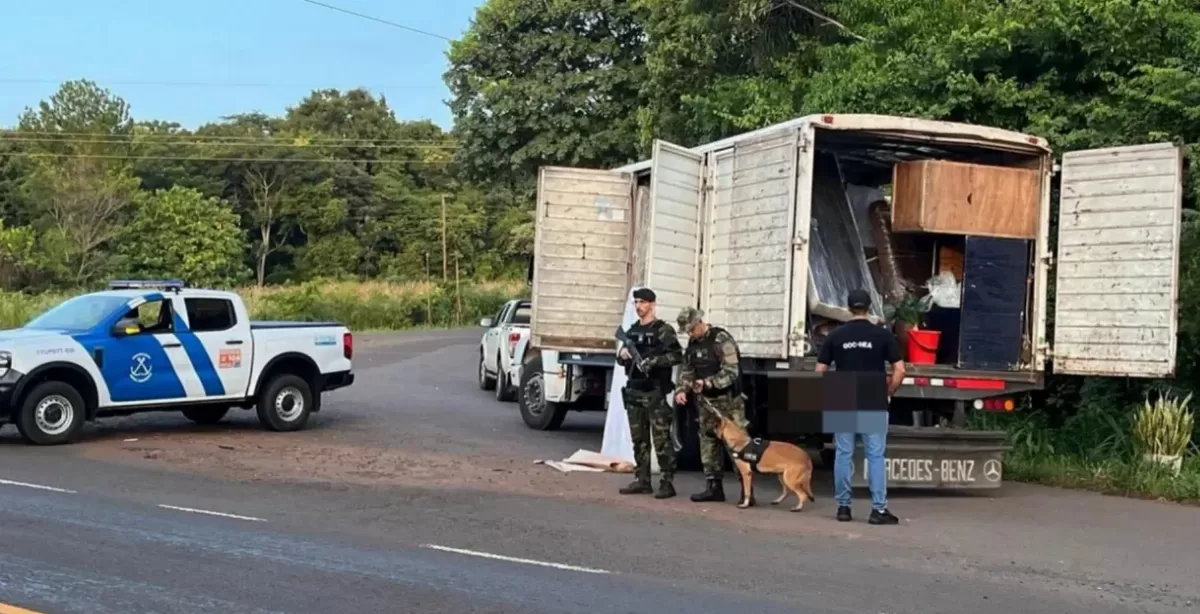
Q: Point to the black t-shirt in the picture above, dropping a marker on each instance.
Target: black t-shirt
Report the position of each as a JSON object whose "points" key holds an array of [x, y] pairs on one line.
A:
{"points": [[859, 345]]}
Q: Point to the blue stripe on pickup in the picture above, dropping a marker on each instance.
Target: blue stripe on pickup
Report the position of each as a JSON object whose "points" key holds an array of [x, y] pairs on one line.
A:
{"points": [[201, 361]]}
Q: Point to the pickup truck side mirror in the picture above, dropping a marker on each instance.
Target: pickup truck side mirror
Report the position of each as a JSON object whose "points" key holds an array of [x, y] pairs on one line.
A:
{"points": [[486, 322], [126, 327]]}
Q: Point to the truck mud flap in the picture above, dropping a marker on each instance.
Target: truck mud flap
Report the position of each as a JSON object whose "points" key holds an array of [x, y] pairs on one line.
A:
{"points": [[937, 458]]}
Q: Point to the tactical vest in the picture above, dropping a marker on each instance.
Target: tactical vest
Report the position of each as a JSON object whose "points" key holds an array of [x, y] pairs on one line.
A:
{"points": [[705, 359], [645, 338]]}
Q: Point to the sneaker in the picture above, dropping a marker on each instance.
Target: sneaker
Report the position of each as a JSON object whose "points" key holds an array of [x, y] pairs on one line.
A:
{"points": [[843, 514], [666, 490], [882, 517], [637, 487]]}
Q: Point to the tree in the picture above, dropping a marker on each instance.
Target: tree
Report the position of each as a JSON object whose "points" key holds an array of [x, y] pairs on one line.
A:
{"points": [[181, 233], [539, 82]]}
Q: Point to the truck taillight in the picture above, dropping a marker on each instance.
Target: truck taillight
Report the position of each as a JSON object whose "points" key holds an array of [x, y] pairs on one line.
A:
{"points": [[347, 345], [513, 338], [1005, 405]]}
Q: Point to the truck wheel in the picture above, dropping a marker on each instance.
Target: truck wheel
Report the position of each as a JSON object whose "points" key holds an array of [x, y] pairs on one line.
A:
{"points": [[504, 388], [285, 403], [51, 414], [536, 411], [486, 382], [685, 436], [205, 415]]}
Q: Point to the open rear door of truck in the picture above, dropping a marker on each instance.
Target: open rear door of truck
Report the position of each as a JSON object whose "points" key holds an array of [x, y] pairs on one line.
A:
{"points": [[673, 232], [753, 219], [1118, 261], [581, 258]]}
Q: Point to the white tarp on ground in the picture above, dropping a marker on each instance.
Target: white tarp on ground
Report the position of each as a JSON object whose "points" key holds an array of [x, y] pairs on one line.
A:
{"points": [[582, 460]]}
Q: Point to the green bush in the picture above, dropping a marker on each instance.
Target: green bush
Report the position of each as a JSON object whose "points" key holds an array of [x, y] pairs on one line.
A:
{"points": [[364, 306]]}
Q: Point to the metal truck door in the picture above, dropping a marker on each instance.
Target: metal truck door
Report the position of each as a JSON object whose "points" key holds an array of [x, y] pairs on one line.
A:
{"points": [[582, 257], [673, 231], [1117, 269], [753, 220]]}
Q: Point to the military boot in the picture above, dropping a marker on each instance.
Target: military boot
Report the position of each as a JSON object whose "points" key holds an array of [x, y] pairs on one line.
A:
{"points": [[637, 487], [713, 491], [666, 489]]}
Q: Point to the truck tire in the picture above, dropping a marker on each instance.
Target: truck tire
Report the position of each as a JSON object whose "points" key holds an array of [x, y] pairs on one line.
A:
{"points": [[504, 388], [51, 414], [206, 415], [538, 413], [486, 382], [285, 403], [685, 436]]}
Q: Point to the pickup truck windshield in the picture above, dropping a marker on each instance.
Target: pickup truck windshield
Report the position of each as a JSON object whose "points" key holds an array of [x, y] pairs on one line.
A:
{"points": [[78, 314]]}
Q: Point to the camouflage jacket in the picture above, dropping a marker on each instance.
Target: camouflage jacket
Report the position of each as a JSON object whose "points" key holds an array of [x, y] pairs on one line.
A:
{"points": [[723, 361]]}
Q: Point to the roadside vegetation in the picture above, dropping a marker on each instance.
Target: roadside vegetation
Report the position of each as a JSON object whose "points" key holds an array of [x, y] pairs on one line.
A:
{"points": [[337, 188], [363, 306]]}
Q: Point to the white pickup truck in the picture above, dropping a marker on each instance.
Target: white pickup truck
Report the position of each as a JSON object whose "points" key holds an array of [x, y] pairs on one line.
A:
{"points": [[157, 346], [501, 347]]}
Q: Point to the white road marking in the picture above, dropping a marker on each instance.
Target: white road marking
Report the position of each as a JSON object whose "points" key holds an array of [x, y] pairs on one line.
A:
{"points": [[211, 513], [500, 557], [37, 486]]}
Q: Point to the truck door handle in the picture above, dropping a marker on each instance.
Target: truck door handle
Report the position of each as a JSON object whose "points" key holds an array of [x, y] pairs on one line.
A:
{"points": [[172, 345], [234, 342]]}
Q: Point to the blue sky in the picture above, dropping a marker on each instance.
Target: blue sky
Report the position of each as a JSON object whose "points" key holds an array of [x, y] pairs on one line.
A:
{"points": [[249, 55]]}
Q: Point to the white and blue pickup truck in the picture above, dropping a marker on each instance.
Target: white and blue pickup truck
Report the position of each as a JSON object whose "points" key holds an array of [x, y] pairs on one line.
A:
{"points": [[158, 346]]}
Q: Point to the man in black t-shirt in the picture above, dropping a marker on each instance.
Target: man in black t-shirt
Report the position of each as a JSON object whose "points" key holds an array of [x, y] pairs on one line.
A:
{"points": [[859, 345]]}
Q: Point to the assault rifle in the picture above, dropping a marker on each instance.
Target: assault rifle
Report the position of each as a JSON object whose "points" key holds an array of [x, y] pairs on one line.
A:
{"points": [[638, 360]]}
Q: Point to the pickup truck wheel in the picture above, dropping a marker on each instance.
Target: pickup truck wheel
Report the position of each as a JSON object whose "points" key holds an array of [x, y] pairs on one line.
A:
{"points": [[285, 404], [536, 411], [504, 388], [51, 414], [205, 415], [486, 382]]}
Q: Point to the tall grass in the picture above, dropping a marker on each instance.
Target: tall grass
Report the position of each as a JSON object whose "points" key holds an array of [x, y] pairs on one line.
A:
{"points": [[1092, 449], [362, 306]]}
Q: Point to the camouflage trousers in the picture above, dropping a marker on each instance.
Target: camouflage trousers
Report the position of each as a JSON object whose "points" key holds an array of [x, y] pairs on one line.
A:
{"points": [[711, 447], [650, 416]]}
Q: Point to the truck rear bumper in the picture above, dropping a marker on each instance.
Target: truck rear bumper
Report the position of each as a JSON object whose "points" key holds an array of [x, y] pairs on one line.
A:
{"points": [[339, 379], [936, 458]]}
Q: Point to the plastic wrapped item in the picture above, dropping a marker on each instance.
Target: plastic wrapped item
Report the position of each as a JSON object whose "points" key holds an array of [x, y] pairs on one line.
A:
{"points": [[944, 291], [836, 262]]}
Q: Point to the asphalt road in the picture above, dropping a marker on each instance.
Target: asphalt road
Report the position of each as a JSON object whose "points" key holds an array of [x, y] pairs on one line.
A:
{"points": [[413, 491]]}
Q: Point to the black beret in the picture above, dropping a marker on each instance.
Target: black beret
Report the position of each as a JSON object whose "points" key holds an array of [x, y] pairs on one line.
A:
{"points": [[645, 294]]}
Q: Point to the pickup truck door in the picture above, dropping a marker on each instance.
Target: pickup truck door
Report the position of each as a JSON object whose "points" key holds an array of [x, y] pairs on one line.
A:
{"points": [[492, 339], [149, 365], [219, 344]]}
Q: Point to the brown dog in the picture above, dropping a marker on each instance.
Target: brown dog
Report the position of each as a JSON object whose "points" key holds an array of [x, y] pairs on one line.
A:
{"points": [[788, 461]]}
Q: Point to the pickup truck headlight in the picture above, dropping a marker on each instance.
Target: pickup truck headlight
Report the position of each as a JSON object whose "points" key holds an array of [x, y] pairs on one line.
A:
{"points": [[5, 363]]}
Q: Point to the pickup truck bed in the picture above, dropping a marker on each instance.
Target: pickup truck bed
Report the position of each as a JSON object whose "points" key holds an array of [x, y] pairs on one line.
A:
{"points": [[274, 324]]}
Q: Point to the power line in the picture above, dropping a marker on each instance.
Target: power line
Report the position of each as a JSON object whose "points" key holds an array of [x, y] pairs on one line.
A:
{"points": [[216, 84], [376, 19], [343, 141], [202, 143], [23, 154]]}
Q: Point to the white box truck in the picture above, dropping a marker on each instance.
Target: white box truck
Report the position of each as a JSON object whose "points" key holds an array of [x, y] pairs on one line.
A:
{"points": [[741, 228]]}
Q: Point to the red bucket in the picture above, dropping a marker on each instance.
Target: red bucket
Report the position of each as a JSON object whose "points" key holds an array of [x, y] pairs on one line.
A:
{"points": [[923, 346]]}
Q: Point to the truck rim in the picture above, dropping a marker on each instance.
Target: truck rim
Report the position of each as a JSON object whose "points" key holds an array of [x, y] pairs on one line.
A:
{"points": [[535, 400], [289, 403], [54, 415]]}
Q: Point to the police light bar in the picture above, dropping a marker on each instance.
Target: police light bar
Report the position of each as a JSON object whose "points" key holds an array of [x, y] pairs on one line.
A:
{"points": [[140, 284]]}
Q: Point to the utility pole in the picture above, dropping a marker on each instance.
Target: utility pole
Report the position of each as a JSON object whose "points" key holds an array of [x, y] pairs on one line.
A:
{"points": [[445, 260]]}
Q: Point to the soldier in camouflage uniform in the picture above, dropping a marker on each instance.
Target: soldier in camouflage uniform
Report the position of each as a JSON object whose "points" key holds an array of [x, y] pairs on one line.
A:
{"points": [[645, 395], [710, 368]]}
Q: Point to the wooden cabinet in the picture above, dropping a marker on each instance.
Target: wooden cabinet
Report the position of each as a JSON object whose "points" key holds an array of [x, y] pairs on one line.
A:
{"points": [[965, 199]]}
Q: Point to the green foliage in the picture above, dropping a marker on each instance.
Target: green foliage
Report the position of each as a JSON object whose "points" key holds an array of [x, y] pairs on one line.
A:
{"points": [[181, 233], [547, 82], [371, 306]]}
